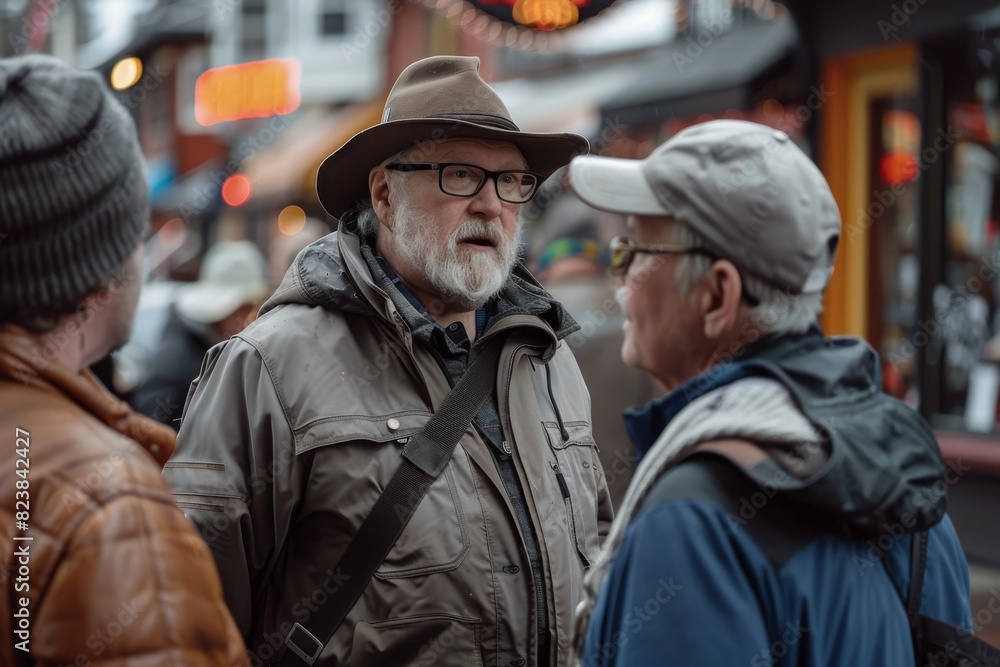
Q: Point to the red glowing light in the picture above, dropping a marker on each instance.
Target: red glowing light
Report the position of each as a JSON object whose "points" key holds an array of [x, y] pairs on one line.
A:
{"points": [[898, 167], [236, 190]]}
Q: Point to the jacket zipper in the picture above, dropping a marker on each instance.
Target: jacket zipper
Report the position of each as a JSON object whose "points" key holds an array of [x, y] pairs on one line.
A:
{"points": [[564, 488]]}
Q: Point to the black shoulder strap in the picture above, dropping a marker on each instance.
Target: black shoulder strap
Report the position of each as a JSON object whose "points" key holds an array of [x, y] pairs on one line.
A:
{"points": [[425, 457], [936, 642], [918, 564]]}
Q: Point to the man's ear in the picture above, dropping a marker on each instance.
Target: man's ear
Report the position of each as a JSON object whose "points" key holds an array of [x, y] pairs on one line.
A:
{"points": [[378, 185], [721, 300]]}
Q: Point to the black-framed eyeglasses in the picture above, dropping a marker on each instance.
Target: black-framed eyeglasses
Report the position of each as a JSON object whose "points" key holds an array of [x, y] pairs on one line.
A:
{"points": [[460, 179], [624, 250]]}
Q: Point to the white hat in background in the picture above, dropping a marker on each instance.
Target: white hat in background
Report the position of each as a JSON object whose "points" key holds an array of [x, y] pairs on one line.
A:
{"points": [[233, 274]]}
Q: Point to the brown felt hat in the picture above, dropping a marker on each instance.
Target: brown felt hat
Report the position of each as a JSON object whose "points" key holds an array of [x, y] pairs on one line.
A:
{"points": [[433, 100]]}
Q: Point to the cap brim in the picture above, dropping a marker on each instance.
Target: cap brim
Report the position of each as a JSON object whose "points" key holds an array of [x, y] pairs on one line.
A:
{"points": [[207, 303], [615, 185], [342, 179]]}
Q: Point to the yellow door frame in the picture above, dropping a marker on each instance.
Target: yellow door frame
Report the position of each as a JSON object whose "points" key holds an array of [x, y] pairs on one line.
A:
{"points": [[851, 82]]}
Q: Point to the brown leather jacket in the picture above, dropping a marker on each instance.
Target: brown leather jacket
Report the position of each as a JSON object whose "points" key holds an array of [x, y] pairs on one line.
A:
{"points": [[108, 571]]}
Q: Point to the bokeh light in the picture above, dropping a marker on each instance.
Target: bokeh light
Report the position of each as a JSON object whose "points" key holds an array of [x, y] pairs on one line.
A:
{"points": [[291, 220], [236, 190], [126, 73]]}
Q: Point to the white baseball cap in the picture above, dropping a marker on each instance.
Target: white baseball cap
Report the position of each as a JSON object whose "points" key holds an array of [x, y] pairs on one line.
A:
{"points": [[754, 196], [233, 274]]}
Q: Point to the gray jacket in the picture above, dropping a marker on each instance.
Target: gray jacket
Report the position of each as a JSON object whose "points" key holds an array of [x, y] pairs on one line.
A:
{"points": [[294, 428]]}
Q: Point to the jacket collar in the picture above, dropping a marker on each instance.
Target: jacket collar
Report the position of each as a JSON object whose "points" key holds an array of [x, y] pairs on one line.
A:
{"points": [[644, 425], [22, 360], [333, 273]]}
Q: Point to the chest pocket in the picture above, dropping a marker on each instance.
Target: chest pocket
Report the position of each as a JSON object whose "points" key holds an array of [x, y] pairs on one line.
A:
{"points": [[355, 457], [576, 459]]}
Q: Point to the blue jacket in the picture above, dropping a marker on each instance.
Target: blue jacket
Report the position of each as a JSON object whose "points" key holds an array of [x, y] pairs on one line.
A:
{"points": [[720, 568]]}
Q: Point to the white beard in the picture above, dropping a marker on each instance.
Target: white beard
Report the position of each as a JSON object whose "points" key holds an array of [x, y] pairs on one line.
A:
{"points": [[461, 277]]}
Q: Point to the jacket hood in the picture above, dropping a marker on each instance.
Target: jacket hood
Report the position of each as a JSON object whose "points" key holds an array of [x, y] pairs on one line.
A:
{"points": [[884, 470], [332, 273], [318, 276], [881, 469]]}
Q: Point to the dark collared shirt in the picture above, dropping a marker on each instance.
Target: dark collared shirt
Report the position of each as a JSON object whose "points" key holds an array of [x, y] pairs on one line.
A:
{"points": [[455, 352]]}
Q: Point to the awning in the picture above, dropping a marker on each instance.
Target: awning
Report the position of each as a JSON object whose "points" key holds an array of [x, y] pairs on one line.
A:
{"points": [[287, 169], [682, 78], [568, 102], [702, 73]]}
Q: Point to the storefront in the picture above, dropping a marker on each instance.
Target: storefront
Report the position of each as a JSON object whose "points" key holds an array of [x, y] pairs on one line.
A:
{"points": [[909, 142]]}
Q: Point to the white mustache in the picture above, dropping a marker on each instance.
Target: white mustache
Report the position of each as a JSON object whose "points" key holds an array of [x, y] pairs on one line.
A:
{"points": [[472, 228]]}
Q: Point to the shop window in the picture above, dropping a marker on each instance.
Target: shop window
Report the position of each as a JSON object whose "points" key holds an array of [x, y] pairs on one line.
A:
{"points": [[254, 29], [891, 216], [333, 19], [966, 305]]}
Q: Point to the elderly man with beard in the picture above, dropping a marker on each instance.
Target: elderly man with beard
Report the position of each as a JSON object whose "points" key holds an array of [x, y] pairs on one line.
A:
{"points": [[296, 426]]}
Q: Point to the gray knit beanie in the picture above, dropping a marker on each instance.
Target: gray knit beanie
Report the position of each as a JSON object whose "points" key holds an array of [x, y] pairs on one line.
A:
{"points": [[74, 202]]}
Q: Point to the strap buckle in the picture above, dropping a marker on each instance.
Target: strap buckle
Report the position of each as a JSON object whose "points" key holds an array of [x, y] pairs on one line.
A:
{"points": [[299, 636]]}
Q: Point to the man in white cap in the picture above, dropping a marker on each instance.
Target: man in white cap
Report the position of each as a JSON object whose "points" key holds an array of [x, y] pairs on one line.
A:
{"points": [[232, 284], [780, 491], [301, 427]]}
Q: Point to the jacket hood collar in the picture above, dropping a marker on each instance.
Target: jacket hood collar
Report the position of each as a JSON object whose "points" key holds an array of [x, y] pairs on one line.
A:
{"points": [[884, 466], [332, 273], [22, 360]]}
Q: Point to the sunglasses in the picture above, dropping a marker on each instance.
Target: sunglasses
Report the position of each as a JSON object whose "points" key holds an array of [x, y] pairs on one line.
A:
{"points": [[624, 250]]}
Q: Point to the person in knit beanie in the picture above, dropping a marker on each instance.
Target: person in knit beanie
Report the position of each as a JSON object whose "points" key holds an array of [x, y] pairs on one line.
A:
{"points": [[88, 525]]}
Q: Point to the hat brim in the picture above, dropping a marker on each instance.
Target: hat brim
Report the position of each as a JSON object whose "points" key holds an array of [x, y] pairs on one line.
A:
{"points": [[615, 185], [342, 179], [207, 303]]}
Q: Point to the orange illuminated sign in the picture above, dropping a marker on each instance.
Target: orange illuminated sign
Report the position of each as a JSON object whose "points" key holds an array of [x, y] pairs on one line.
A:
{"points": [[250, 90]]}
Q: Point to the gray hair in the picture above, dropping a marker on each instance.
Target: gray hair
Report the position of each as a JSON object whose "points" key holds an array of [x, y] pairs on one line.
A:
{"points": [[778, 311], [365, 218]]}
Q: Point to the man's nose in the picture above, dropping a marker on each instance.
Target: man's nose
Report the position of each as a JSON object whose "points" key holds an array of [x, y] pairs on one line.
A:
{"points": [[487, 202]]}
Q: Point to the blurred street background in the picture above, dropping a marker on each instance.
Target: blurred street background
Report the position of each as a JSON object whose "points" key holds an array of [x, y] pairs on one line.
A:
{"points": [[238, 101]]}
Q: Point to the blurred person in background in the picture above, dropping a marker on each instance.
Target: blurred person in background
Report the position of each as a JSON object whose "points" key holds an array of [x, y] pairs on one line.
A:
{"points": [[779, 491], [87, 524], [573, 267], [231, 286], [297, 424]]}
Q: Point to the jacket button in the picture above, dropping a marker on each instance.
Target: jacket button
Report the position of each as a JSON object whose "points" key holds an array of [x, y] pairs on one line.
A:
{"points": [[393, 424], [511, 569], [586, 464], [516, 663]]}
